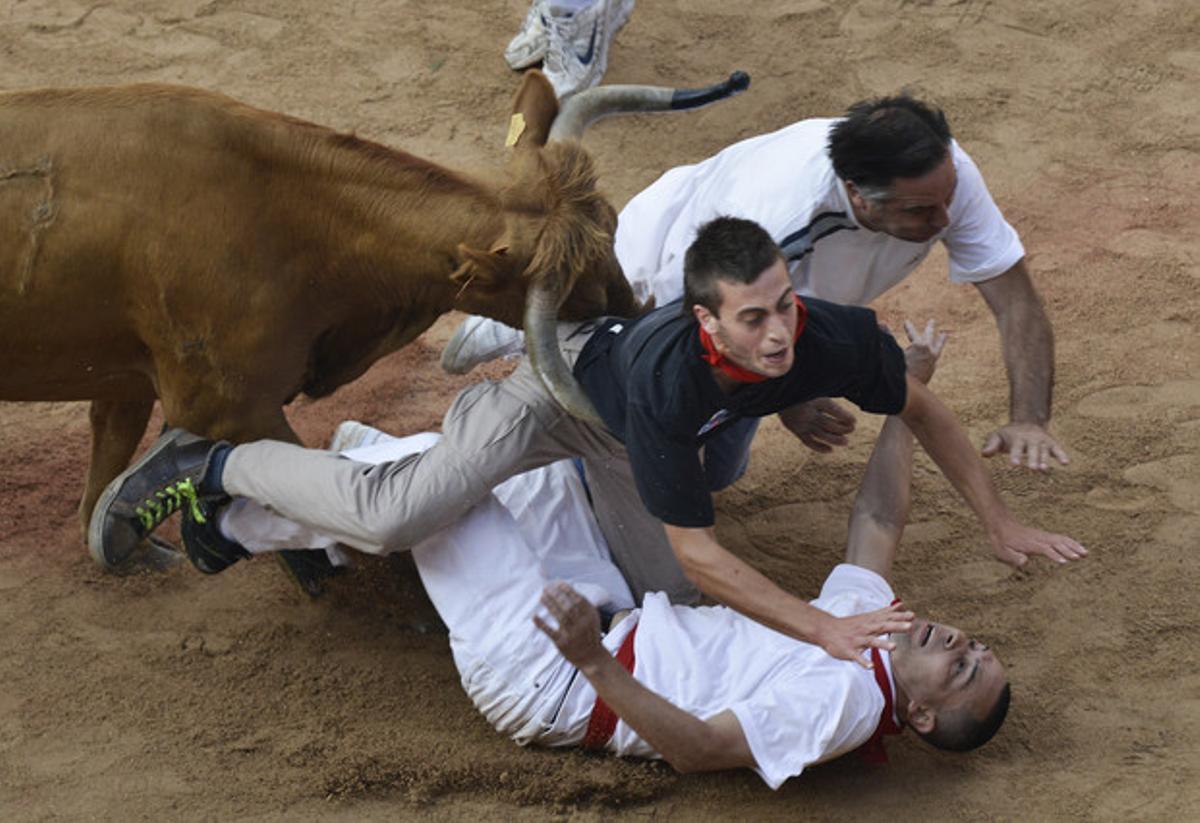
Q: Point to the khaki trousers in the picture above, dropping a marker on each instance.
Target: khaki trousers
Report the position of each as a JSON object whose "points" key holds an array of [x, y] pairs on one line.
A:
{"points": [[493, 430]]}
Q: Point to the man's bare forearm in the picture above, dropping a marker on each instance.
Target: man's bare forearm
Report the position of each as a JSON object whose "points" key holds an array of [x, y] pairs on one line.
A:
{"points": [[885, 492], [943, 437], [946, 442], [883, 500], [735, 583], [685, 741], [1027, 342]]}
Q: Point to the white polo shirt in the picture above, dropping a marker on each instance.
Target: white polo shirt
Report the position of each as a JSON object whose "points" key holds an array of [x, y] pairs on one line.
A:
{"points": [[785, 182]]}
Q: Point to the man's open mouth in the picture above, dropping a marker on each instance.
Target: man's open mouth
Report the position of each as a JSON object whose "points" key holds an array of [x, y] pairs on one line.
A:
{"points": [[926, 635]]}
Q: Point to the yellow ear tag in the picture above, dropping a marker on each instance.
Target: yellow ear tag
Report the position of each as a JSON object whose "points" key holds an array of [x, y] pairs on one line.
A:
{"points": [[516, 127]]}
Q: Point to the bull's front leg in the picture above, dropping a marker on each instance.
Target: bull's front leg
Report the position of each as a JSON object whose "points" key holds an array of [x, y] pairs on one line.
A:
{"points": [[117, 428]]}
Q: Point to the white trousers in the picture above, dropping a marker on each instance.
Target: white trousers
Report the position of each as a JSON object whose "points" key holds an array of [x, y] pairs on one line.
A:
{"points": [[485, 575]]}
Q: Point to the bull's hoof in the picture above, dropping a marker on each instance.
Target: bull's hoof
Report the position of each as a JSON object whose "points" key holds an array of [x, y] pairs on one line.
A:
{"points": [[308, 569]]}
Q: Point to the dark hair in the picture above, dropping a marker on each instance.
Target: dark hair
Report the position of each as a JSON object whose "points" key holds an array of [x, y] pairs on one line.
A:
{"points": [[727, 248], [888, 137], [960, 732]]}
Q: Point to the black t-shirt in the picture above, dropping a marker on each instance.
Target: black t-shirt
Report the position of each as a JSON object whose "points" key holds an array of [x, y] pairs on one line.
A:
{"points": [[657, 395]]}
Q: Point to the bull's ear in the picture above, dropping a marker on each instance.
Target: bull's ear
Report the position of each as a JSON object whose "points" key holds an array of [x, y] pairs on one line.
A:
{"points": [[483, 269], [534, 109]]}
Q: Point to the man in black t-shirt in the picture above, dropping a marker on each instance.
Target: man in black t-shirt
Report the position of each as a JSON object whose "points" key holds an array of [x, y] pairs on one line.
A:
{"points": [[655, 386], [740, 345]]}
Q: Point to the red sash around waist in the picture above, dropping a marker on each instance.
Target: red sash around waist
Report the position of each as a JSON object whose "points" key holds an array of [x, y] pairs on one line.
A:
{"points": [[603, 721]]}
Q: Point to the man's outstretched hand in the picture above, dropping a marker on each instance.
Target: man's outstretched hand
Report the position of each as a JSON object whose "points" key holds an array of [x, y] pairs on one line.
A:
{"points": [[847, 637], [1015, 544], [1026, 444]]}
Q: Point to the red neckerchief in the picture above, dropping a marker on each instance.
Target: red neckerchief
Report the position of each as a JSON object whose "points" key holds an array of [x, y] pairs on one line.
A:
{"points": [[715, 358], [603, 721], [873, 751]]}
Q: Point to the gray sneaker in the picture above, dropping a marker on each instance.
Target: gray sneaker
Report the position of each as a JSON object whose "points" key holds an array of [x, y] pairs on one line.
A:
{"points": [[140, 499]]}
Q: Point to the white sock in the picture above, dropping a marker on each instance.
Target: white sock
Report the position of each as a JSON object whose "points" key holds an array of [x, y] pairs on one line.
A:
{"points": [[231, 530]]}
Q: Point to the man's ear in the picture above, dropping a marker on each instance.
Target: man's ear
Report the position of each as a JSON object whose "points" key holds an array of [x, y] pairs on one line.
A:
{"points": [[921, 717], [708, 320], [856, 199]]}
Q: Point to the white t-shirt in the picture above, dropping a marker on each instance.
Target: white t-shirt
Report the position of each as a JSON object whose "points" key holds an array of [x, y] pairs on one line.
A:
{"points": [[796, 705], [785, 182]]}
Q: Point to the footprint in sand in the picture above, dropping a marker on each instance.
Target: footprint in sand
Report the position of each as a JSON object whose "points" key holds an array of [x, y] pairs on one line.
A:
{"points": [[1178, 475], [1176, 535], [168, 34], [1120, 500], [1135, 402]]}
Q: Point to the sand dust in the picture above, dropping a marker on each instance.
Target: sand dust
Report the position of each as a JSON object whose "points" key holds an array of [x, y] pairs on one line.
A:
{"points": [[178, 696]]}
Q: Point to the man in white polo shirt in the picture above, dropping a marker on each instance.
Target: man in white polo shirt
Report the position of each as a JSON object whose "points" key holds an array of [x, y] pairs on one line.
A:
{"points": [[704, 688], [856, 203]]}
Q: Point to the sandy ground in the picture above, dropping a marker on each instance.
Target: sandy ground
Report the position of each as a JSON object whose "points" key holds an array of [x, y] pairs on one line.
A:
{"points": [[177, 696]]}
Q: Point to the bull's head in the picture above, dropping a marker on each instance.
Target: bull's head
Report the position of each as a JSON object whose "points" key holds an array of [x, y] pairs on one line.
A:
{"points": [[572, 272]]}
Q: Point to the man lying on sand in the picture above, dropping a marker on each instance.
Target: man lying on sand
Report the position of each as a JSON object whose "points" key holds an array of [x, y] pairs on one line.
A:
{"points": [[704, 688]]}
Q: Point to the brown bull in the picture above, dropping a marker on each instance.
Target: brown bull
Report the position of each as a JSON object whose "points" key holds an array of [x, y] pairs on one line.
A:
{"points": [[171, 243]]}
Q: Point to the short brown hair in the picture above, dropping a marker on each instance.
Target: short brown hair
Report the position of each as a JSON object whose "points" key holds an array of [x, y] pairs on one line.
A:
{"points": [[727, 248]]}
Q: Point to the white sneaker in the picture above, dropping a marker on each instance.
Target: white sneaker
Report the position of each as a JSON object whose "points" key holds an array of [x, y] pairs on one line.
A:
{"points": [[480, 340], [350, 434], [577, 49], [529, 46]]}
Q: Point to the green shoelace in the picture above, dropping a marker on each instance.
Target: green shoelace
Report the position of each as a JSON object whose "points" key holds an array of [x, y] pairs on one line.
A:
{"points": [[167, 501]]}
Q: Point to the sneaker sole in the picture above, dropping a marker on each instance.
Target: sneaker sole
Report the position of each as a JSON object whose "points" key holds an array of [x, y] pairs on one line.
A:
{"points": [[306, 572], [528, 45], [463, 335], [96, 524], [349, 434], [624, 10], [524, 58]]}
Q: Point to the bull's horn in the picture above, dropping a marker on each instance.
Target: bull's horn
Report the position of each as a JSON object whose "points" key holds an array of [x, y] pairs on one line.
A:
{"points": [[586, 107], [541, 344]]}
